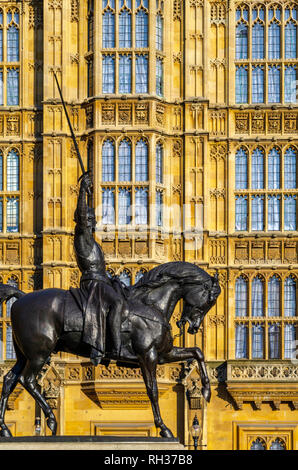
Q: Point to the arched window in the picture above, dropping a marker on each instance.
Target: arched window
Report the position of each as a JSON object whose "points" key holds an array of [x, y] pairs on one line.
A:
{"points": [[108, 29], [290, 170], [257, 169], [258, 84], [273, 212], [290, 211], [108, 206], [1, 35], [274, 169], [290, 297], [141, 206], [241, 297], [125, 28], [12, 91], [278, 444], [258, 444], [141, 160], [124, 160], [141, 28], [12, 172], [139, 276], [258, 41], [274, 297], [257, 297], [108, 161], [290, 83], [159, 76], [241, 341], [125, 278], [274, 84], [124, 207], [290, 40], [274, 33], [241, 84], [274, 340], [241, 41], [241, 169], [159, 32], [257, 213], [257, 341], [125, 73], [159, 163], [241, 213], [290, 341], [13, 53], [108, 74], [141, 75]]}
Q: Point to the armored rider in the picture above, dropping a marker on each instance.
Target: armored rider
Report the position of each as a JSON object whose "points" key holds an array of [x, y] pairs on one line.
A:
{"points": [[96, 291]]}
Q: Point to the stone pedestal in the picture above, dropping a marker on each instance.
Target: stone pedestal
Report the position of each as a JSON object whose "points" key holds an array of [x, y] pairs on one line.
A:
{"points": [[89, 443]]}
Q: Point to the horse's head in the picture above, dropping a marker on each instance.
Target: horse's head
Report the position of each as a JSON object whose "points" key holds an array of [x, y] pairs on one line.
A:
{"points": [[198, 299]]}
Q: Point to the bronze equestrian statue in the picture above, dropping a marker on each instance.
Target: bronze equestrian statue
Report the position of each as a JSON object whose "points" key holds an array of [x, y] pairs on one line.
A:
{"points": [[104, 319]]}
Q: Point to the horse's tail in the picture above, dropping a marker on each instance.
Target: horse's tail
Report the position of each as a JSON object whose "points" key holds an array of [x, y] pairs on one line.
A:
{"points": [[7, 292]]}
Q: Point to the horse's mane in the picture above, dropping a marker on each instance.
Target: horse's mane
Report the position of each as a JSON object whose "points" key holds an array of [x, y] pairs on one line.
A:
{"points": [[181, 271]]}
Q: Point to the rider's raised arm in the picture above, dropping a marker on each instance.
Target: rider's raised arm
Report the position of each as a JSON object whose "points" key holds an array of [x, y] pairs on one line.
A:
{"points": [[81, 213]]}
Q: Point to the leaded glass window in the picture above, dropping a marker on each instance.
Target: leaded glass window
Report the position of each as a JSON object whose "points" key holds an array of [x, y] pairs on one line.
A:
{"points": [[125, 29], [290, 84], [257, 342], [125, 278], [108, 161], [108, 206], [290, 212], [290, 40], [258, 41], [290, 169], [258, 444], [159, 163], [241, 341], [257, 297], [257, 213], [141, 75], [159, 32], [12, 98], [241, 169], [124, 160], [12, 168], [12, 214], [290, 341], [274, 297], [290, 297], [108, 75], [241, 84], [258, 84], [274, 340], [274, 84], [124, 207], [141, 206], [241, 297], [10, 352], [141, 29], [125, 73], [274, 169], [257, 169], [108, 29], [273, 212], [159, 77], [159, 208], [241, 213], [274, 41], [141, 160]]}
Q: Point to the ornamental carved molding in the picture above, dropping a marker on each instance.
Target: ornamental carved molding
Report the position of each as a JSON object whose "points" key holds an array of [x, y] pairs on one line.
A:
{"points": [[263, 372], [266, 252], [266, 122]]}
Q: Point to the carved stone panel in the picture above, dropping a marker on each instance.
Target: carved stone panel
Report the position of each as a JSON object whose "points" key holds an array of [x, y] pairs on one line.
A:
{"points": [[241, 252], [124, 113], [142, 113], [258, 122], [242, 123], [257, 251], [108, 114]]}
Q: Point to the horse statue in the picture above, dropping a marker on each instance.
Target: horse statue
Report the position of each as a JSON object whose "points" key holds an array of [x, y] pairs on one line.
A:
{"points": [[38, 331]]}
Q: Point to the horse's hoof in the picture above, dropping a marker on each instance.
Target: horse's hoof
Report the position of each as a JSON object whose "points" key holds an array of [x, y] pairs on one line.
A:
{"points": [[206, 392], [52, 425], [5, 433], [166, 433]]}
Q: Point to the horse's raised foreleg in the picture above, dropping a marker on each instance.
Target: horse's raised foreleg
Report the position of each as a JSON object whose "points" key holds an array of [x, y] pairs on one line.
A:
{"points": [[182, 354], [148, 364], [10, 381], [28, 380]]}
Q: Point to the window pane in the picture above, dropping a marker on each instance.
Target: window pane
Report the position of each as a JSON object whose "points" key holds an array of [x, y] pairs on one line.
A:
{"points": [[290, 40], [258, 342], [124, 168], [257, 169], [241, 85], [10, 352], [159, 32], [12, 44], [274, 41], [290, 297], [108, 161], [241, 298], [257, 213], [241, 41], [290, 84], [12, 171], [290, 342], [257, 84], [257, 297], [141, 74], [9, 303], [241, 342], [290, 169], [290, 212], [12, 87], [241, 213], [141, 207], [274, 84], [274, 169], [124, 73], [274, 297], [258, 41], [108, 72], [159, 163], [108, 29], [124, 209], [12, 214], [141, 161], [274, 341], [258, 445], [1, 45], [159, 208], [108, 207], [1, 214], [90, 77], [125, 278], [125, 29], [159, 77], [273, 212], [141, 29], [1, 87], [1, 172]]}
